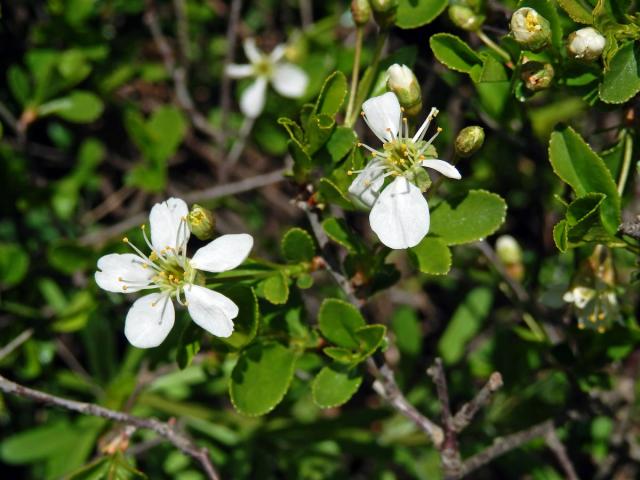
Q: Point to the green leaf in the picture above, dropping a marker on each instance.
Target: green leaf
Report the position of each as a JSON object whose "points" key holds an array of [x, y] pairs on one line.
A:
{"points": [[621, 80], [78, 107], [432, 256], [578, 10], [338, 231], [276, 288], [37, 444], [68, 257], [465, 323], [341, 143], [189, 344], [453, 52], [341, 355], [333, 194], [477, 215], [332, 95], [339, 321], [19, 84], [14, 263], [261, 378], [297, 246], [408, 334], [166, 129], [579, 166], [370, 338], [416, 13], [319, 129], [335, 385], [245, 325]]}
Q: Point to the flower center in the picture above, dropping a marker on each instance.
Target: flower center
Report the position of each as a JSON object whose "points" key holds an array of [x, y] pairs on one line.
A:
{"points": [[531, 22], [263, 68]]}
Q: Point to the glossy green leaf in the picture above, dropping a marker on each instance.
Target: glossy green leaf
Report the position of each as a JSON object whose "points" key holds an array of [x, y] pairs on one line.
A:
{"points": [[319, 129], [342, 141], [621, 80], [453, 52], [341, 354], [297, 246], [370, 338], [69, 257], [578, 10], [335, 385], [78, 107], [579, 166], [332, 95], [14, 263], [245, 325], [261, 378], [333, 194], [338, 231], [188, 344], [19, 84], [339, 321], [416, 13], [276, 288], [475, 216], [406, 329], [432, 256]]}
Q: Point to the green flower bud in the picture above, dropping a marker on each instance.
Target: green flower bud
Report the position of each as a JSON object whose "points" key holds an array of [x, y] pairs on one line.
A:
{"points": [[465, 18], [530, 29], [586, 43], [202, 222], [469, 141], [404, 84], [537, 75], [508, 249], [384, 11], [360, 11]]}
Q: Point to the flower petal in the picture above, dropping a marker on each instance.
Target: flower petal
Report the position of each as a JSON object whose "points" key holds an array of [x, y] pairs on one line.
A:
{"points": [[253, 98], [383, 115], [278, 52], [445, 168], [400, 216], [149, 320], [365, 188], [251, 51], [239, 71], [289, 80], [224, 253], [211, 310], [116, 271], [168, 225]]}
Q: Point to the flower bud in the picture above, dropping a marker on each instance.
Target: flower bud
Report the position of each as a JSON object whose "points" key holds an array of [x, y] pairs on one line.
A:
{"points": [[586, 43], [530, 29], [360, 11], [465, 18], [202, 222], [469, 141], [508, 249], [404, 84], [537, 75], [384, 11]]}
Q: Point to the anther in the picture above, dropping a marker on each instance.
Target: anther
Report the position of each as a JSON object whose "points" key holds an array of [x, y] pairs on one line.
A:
{"points": [[125, 240]]}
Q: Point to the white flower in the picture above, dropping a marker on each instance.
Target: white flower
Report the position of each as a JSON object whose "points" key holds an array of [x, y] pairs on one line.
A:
{"points": [[400, 77], [579, 296], [175, 276], [287, 79], [586, 43], [530, 29], [399, 212]]}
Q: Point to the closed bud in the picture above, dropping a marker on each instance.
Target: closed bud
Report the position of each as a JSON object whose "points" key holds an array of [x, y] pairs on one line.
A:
{"points": [[360, 11], [384, 11], [508, 249], [469, 141], [202, 222], [537, 75], [586, 43], [465, 18], [530, 29], [404, 84]]}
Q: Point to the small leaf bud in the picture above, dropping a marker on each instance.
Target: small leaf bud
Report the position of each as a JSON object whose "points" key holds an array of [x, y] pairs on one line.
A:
{"points": [[586, 43], [404, 84], [384, 11], [360, 11], [469, 141], [508, 249], [202, 222], [537, 75], [530, 29], [465, 18]]}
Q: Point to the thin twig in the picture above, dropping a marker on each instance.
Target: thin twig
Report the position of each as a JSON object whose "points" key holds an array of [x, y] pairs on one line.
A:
{"points": [[225, 84], [238, 147], [15, 343], [490, 254], [306, 13], [559, 450], [355, 72], [182, 31], [163, 429], [9, 118], [251, 183], [466, 413]]}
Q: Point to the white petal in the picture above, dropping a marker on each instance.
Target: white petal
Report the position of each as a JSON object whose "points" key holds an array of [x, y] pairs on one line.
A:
{"points": [[224, 253], [253, 98], [289, 80], [383, 115], [211, 310], [239, 71], [365, 188], [116, 271], [251, 51], [168, 227], [445, 168], [278, 52], [149, 320], [400, 217]]}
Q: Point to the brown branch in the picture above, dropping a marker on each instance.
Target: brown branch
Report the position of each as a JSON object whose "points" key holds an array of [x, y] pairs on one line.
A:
{"points": [[182, 32], [251, 183], [490, 254], [466, 413], [15, 343], [165, 430], [225, 84], [559, 450]]}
